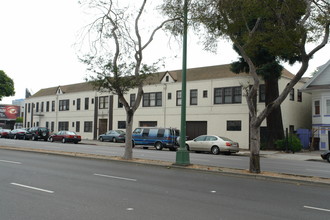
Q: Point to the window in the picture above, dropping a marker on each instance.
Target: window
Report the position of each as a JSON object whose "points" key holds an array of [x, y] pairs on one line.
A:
{"points": [[328, 107], [228, 95], [152, 99], [169, 96], [77, 126], [167, 78], [37, 107], [132, 99], [88, 126], [145, 132], [42, 107], [52, 125], [292, 94], [262, 93], [29, 108], [317, 107], [47, 106], [47, 124], [120, 105], [53, 106], [78, 104], [178, 98], [299, 96], [73, 102], [205, 94], [73, 124], [63, 126], [86, 103], [122, 124], [64, 105], [104, 102], [193, 97], [234, 125]]}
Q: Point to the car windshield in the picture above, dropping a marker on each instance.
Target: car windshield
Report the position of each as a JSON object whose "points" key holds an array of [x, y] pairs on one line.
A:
{"points": [[43, 129], [225, 139], [120, 132], [70, 133]]}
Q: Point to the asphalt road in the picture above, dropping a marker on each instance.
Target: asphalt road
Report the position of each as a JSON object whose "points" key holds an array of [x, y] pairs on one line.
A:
{"points": [[40, 186], [309, 168]]}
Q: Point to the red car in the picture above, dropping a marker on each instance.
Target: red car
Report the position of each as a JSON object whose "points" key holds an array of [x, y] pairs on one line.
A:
{"points": [[65, 136], [4, 133]]}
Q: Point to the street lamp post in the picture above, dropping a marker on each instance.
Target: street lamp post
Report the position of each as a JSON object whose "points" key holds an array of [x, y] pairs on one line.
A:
{"points": [[182, 155]]}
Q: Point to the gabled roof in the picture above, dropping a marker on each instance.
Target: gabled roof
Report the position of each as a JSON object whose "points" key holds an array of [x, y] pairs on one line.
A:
{"points": [[79, 87], [193, 74], [320, 80]]}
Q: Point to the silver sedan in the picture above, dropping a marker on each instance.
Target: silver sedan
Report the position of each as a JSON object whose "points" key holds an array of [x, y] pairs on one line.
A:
{"points": [[213, 143]]}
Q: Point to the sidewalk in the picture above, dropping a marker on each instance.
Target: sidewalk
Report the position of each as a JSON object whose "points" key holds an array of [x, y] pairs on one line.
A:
{"points": [[304, 155]]}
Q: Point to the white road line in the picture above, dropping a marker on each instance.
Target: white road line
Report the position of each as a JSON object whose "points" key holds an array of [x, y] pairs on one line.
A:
{"points": [[8, 161], [315, 208], [34, 188], [115, 177], [325, 171]]}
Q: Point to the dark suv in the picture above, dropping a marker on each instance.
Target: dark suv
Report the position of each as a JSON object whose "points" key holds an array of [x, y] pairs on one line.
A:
{"points": [[36, 133]]}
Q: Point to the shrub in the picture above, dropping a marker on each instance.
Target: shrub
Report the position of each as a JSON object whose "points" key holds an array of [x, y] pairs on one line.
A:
{"points": [[293, 144]]}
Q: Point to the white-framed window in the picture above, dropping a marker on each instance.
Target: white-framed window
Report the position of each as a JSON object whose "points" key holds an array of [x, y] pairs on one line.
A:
{"points": [[316, 107]]}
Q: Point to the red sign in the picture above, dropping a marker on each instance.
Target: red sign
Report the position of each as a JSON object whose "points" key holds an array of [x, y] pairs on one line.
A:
{"points": [[9, 111]]}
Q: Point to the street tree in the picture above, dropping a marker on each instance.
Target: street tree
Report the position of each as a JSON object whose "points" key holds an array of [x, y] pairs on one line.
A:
{"points": [[283, 28], [6, 85], [118, 42]]}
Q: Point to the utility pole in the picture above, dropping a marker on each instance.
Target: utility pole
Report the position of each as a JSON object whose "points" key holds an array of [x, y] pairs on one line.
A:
{"points": [[182, 155]]}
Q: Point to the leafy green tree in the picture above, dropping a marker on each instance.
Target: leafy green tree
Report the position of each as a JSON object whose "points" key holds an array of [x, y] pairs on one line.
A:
{"points": [[283, 28], [6, 85], [118, 43]]}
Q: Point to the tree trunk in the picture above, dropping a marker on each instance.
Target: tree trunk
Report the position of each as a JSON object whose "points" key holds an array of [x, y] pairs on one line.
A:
{"points": [[254, 148], [128, 155], [275, 129]]}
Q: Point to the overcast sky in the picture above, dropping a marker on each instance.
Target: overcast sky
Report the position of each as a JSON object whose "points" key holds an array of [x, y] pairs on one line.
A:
{"points": [[37, 38]]}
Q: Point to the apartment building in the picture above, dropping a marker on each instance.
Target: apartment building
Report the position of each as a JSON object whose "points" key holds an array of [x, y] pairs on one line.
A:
{"points": [[215, 105]]}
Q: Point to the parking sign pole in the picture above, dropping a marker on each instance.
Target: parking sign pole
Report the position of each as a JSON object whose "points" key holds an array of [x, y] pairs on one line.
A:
{"points": [[182, 155]]}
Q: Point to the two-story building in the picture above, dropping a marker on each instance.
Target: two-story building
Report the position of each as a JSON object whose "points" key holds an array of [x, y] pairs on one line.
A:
{"points": [[215, 105], [319, 88]]}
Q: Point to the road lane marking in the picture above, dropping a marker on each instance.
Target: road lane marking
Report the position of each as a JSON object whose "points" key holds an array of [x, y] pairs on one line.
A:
{"points": [[31, 187], [115, 177], [325, 171], [8, 161], [316, 208]]}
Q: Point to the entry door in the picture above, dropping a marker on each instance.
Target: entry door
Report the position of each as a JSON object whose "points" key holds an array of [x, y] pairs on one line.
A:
{"points": [[103, 126]]}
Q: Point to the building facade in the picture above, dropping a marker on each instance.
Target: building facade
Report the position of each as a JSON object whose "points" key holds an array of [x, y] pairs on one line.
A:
{"points": [[319, 88], [215, 105]]}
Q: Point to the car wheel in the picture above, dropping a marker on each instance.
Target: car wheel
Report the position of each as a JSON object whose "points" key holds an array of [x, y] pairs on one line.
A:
{"points": [[34, 138], [215, 150], [158, 145], [15, 136], [76, 142], [101, 139], [187, 147], [328, 158], [51, 139], [114, 140], [63, 140]]}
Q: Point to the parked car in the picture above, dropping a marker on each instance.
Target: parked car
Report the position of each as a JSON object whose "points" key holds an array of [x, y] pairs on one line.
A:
{"points": [[65, 136], [326, 155], [36, 133], [4, 133], [158, 137], [17, 133], [113, 135], [213, 143]]}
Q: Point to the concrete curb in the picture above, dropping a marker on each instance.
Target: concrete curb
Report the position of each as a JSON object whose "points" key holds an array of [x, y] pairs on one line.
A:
{"points": [[279, 177]]}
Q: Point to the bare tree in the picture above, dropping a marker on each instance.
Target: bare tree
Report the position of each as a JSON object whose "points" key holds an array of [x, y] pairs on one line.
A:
{"points": [[118, 44]]}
